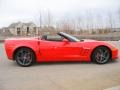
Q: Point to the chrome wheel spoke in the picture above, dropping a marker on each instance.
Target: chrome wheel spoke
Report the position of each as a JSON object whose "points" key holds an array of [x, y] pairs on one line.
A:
{"points": [[24, 62], [105, 52], [103, 57]]}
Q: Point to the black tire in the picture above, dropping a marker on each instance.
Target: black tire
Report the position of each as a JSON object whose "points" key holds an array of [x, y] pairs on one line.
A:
{"points": [[24, 57], [101, 55]]}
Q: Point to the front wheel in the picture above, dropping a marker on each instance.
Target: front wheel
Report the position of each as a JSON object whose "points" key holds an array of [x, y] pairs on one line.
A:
{"points": [[101, 55], [25, 57]]}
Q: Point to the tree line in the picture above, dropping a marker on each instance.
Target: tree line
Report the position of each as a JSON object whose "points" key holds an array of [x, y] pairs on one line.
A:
{"points": [[88, 22]]}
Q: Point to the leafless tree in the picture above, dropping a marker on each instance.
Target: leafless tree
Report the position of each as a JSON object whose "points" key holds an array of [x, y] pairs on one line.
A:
{"points": [[110, 20], [119, 16], [49, 17], [40, 22], [79, 24], [40, 19], [89, 19]]}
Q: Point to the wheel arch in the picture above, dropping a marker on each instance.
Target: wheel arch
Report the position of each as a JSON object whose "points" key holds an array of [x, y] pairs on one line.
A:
{"points": [[98, 47], [18, 48]]}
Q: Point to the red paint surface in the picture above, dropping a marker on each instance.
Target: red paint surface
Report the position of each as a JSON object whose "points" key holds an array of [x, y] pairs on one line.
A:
{"points": [[57, 51]]}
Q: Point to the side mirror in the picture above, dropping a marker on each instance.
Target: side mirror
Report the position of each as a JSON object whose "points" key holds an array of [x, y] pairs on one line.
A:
{"points": [[66, 41]]}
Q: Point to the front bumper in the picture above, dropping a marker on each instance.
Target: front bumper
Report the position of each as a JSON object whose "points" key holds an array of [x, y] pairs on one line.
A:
{"points": [[114, 53]]}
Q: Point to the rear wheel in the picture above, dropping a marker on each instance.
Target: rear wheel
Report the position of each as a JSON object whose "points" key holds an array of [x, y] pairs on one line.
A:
{"points": [[101, 55], [24, 57]]}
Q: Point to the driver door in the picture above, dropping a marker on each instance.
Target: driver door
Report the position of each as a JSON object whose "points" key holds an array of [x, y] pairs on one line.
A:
{"points": [[59, 50]]}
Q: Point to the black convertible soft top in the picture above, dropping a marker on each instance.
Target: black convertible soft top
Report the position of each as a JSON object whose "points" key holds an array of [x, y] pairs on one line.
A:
{"points": [[64, 35]]}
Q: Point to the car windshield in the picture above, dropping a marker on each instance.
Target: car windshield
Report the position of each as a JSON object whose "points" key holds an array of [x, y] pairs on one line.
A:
{"points": [[70, 37]]}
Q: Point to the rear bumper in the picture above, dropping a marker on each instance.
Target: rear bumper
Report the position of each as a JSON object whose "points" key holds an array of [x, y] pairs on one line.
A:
{"points": [[9, 51]]}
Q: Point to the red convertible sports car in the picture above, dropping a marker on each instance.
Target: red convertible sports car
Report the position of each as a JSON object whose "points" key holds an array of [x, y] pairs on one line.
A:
{"points": [[63, 47]]}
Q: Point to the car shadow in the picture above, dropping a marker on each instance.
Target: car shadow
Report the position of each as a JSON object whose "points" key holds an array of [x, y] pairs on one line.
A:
{"points": [[73, 63], [54, 63], [61, 63], [67, 63], [113, 61]]}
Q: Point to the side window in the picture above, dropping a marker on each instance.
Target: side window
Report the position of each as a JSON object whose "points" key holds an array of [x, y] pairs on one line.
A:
{"points": [[54, 38]]}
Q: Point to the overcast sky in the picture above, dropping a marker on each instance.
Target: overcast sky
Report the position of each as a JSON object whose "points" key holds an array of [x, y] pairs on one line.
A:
{"points": [[28, 10]]}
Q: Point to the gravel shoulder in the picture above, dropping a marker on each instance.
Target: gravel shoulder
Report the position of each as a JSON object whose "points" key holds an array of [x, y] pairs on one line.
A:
{"points": [[59, 76]]}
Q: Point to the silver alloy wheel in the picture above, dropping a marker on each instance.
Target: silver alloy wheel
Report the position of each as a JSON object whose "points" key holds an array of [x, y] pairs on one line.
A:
{"points": [[24, 57], [102, 55]]}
